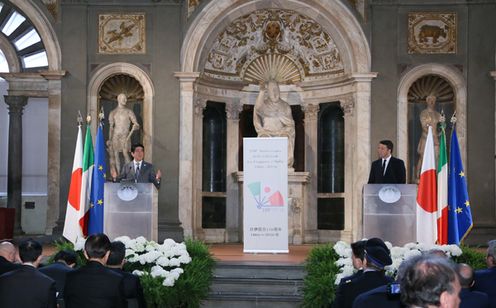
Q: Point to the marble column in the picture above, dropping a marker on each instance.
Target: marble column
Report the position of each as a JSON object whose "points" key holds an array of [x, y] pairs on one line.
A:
{"points": [[361, 152], [311, 234], [14, 179], [347, 104], [55, 213], [200, 104], [233, 210], [186, 176]]}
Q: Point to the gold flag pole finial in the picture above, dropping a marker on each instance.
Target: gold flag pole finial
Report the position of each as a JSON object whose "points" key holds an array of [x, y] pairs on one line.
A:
{"points": [[101, 115], [88, 119]]}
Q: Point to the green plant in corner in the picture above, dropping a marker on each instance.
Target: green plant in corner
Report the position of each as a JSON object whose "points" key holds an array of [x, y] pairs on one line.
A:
{"points": [[319, 284], [476, 259]]}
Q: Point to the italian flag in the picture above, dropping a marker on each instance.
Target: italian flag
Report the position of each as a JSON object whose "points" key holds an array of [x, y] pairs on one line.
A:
{"points": [[72, 231], [442, 192], [88, 162], [427, 195]]}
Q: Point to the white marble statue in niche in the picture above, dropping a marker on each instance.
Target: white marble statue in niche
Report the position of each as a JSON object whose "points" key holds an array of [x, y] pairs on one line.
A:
{"points": [[272, 116], [120, 132]]}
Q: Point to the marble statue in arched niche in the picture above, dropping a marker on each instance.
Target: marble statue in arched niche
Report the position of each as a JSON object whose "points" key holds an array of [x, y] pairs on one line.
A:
{"points": [[121, 97], [431, 102]]}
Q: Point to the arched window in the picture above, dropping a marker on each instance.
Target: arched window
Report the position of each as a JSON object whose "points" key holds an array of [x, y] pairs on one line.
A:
{"points": [[330, 205], [214, 166]]}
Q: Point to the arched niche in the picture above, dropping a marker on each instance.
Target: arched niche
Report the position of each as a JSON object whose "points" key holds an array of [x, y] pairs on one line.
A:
{"points": [[333, 15], [105, 72], [353, 86], [454, 77]]}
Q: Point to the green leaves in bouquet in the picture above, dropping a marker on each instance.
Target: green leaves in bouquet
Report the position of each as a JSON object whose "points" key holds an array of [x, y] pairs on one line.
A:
{"points": [[474, 257], [319, 287], [66, 245], [191, 287]]}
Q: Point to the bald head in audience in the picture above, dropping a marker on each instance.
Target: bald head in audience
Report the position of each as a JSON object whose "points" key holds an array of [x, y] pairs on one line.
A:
{"points": [[8, 251]]}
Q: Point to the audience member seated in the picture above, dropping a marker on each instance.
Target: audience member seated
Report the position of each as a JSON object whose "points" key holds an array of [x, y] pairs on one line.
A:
{"points": [[26, 286], [132, 286], [94, 285], [485, 280], [64, 262], [377, 256], [386, 296], [470, 299], [357, 256], [7, 257], [430, 281]]}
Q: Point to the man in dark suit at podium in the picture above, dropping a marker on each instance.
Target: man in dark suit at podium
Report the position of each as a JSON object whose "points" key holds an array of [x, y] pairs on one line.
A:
{"points": [[387, 169], [138, 170]]}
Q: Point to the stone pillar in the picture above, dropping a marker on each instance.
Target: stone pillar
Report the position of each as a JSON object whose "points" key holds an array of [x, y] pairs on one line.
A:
{"points": [[186, 178], [348, 105], [200, 104], [55, 213], [14, 179], [360, 156], [233, 209], [310, 231]]}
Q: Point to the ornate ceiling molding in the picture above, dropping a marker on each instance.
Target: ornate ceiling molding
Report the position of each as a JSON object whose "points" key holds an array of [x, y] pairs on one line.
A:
{"points": [[285, 33]]}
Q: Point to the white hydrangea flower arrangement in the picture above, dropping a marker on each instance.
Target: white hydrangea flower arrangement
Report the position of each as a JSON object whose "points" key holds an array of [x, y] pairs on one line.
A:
{"points": [[398, 254], [162, 260]]}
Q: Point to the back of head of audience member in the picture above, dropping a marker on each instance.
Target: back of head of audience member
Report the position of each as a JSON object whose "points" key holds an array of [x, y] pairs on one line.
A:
{"points": [[30, 252], [66, 256], [436, 252], [377, 255], [117, 254], [8, 251], [465, 275], [491, 254], [358, 254], [430, 281], [97, 248]]}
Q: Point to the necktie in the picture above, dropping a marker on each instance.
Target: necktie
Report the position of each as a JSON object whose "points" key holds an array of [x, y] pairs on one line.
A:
{"points": [[383, 166], [136, 173]]}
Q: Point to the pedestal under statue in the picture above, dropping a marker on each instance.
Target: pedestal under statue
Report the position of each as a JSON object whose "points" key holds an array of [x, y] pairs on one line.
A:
{"points": [[272, 117]]}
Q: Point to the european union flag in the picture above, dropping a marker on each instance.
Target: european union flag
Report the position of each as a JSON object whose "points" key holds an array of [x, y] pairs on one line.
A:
{"points": [[95, 224], [459, 215]]}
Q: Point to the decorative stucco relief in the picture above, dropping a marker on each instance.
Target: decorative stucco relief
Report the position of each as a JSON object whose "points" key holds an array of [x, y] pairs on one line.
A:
{"points": [[254, 42], [52, 6], [192, 4], [121, 33], [431, 32]]}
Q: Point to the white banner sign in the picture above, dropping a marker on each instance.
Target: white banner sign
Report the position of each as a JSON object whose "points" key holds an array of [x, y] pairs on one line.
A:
{"points": [[265, 195]]}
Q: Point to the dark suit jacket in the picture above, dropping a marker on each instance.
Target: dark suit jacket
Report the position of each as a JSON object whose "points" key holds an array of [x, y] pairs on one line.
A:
{"points": [[473, 299], [93, 286], [377, 298], [26, 287], [146, 174], [485, 281], [351, 277], [7, 266], [57, 271], [395, 172], [132, 287], [347, 292]]}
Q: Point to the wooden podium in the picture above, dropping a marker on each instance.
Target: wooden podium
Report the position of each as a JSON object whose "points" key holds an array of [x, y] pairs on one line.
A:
{"points": [[131, 209]]}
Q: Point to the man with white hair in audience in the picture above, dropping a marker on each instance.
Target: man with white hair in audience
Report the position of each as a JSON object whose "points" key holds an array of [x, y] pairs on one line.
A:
{"points": [[485, 280]]}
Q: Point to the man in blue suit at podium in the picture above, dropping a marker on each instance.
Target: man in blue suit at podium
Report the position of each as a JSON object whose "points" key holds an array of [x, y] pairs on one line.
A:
{"points": [[138, 170], [387, 169]]}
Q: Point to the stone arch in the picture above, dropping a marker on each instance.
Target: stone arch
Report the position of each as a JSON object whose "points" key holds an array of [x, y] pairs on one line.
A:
{"points": [[97, 80], [43, 25], [456, 80], [10, 55], [333, 15]]}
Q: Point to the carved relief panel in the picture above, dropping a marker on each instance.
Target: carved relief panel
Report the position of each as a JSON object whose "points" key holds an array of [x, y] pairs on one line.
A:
{"points": [[121, 33], [432, 32]]}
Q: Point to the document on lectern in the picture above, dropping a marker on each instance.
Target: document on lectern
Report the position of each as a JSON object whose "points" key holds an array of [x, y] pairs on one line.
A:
{"points": [[265, 195]]}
